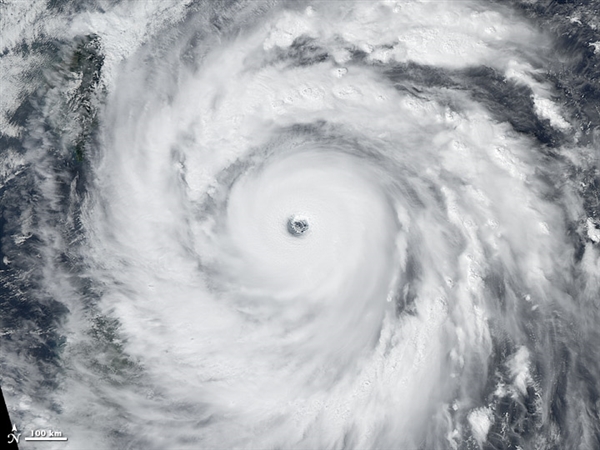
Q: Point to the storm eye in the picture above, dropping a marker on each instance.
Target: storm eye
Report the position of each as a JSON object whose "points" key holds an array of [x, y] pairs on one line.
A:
{"points": [[297, 225]]}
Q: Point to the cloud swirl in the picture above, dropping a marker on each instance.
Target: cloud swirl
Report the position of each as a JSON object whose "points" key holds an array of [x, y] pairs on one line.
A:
{"points": [[317, 225]]}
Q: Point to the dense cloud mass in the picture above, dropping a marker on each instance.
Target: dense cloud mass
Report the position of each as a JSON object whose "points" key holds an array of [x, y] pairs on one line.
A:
{"points": [[301, 225]]}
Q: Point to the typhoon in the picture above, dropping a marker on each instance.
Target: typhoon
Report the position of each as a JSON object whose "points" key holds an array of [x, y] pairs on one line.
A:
{"points": [[301, 225]]}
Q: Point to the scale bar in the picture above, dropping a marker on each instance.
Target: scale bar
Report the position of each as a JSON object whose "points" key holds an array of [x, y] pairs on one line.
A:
{"points": [[46, 439]]}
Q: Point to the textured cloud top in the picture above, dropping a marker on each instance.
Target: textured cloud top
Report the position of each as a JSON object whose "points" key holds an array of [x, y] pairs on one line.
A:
{"points": [[299, 225]]}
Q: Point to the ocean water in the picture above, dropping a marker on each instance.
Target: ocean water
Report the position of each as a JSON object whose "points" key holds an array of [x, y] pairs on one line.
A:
{"points": [[301, 225]]}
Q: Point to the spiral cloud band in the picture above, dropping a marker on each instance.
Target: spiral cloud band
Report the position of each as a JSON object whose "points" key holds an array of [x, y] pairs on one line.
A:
{"points": [[328, 225]]}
